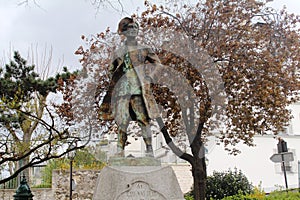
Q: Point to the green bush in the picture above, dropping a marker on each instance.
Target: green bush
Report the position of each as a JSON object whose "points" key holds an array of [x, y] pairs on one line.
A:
{"points": [[242, 197], [229, 183], [280, 195], [188, 197], [239, 197]]}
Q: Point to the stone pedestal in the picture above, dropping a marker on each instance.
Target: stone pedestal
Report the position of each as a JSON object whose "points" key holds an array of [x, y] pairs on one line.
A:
{"points": [[136, 181]]}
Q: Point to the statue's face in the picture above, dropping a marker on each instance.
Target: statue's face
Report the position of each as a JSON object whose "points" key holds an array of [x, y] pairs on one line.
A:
{"points": [[131, 30]]}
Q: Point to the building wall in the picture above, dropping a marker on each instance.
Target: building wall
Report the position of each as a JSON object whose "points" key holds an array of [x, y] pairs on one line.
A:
{"points": [[295, 122], [255, 162]]}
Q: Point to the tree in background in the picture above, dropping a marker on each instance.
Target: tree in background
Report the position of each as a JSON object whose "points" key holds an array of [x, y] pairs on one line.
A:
{"points": [[229, 68], [256, 53], [30, 132]]}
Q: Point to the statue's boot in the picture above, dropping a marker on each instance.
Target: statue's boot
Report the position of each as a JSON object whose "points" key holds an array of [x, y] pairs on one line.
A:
{"points": [[146, 132], [149, 151], [120, 152], [122, 139]]}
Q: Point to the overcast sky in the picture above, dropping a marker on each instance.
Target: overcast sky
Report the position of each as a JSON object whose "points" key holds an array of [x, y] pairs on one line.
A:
{"points": [[59, 24]]}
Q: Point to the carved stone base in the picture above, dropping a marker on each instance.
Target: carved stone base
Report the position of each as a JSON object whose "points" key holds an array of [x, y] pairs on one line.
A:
{"points": [[132, 161], [137, 183]]}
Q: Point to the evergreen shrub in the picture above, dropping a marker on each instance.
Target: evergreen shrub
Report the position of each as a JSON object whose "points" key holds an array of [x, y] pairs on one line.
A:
{"points": [[228, 183]]}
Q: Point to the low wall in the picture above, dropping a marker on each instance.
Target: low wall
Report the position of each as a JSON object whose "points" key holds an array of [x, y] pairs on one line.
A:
{"points": [[85, 184], [39, 194]]}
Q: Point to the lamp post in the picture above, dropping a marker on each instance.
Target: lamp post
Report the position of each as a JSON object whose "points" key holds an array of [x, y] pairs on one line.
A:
{"points": [[23, 192], [71, 156]]}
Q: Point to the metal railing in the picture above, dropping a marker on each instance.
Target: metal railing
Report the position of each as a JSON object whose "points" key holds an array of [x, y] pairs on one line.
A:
{"points": [[11, 184], [36, 179]]}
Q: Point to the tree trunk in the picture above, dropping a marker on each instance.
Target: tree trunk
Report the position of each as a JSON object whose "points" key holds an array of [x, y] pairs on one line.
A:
{"points": [[199, 176], [25, 172], [25, 161], [199, 165], [197, 161]]}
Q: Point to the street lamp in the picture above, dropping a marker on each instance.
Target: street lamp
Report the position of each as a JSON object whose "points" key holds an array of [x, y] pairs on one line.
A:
{"points": [[71, 156]]}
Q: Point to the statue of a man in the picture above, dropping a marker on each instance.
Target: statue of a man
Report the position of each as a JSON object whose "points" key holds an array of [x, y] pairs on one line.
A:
{"points": [[129, 97]]}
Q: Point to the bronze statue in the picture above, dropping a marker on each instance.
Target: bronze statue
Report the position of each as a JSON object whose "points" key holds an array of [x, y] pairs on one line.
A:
{"points": [[129, 97]]}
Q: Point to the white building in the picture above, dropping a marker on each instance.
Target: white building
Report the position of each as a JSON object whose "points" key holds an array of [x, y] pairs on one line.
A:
{"points": [[255, 161]]}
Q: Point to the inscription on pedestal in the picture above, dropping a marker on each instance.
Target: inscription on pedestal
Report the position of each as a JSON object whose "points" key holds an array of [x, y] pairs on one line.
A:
{"points": [[140, 191], [137, 183]]}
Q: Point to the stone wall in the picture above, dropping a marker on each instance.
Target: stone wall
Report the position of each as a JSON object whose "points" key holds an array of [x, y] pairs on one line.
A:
{"points": [[184, 176], [85, 184], [39, 194]]}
